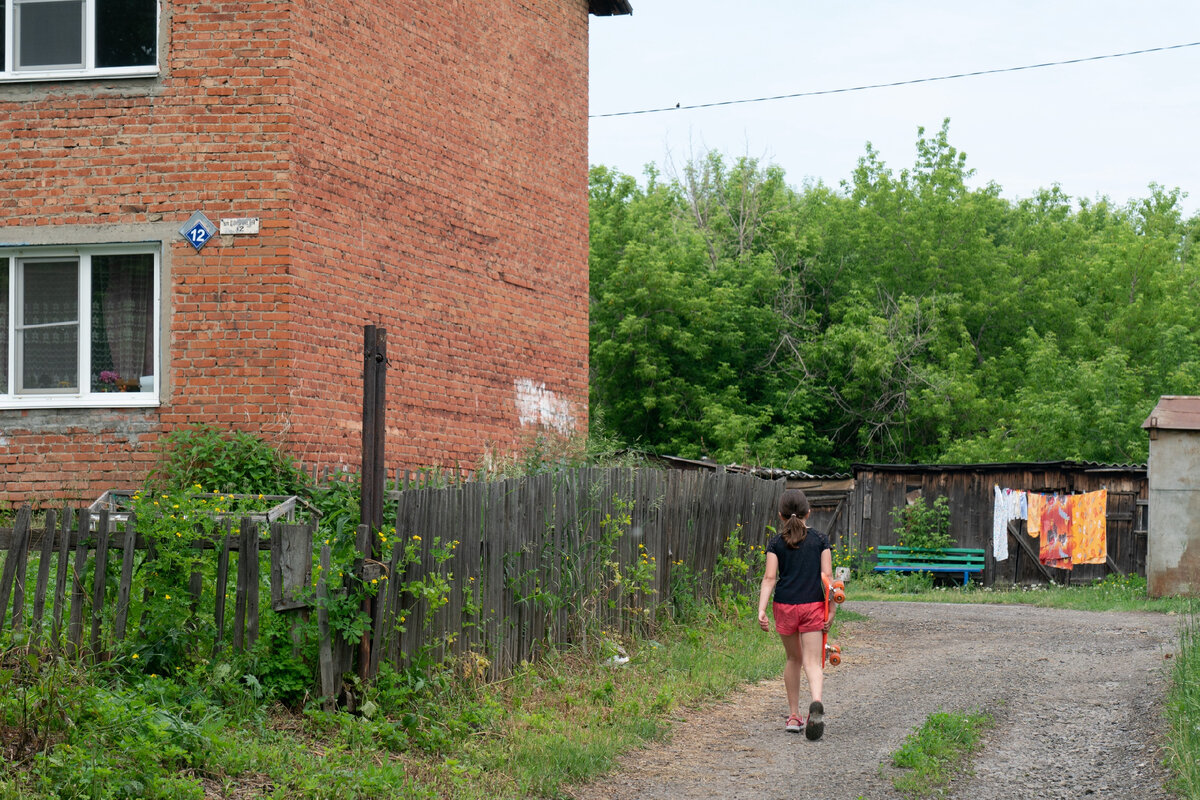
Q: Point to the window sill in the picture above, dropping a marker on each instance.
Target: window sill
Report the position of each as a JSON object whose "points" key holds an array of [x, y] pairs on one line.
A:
{"points": [[69, 401], [30, 76]]}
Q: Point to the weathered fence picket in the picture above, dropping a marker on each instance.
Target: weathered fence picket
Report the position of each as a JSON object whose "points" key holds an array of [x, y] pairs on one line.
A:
{"points": [[60, 577], [43, 575], [12, 583]]}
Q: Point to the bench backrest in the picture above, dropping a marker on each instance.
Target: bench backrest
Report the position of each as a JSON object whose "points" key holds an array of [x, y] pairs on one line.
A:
{"points": [[966, 556]]}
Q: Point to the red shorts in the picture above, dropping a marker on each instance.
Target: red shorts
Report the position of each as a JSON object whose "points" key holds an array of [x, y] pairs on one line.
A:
{"points": [[799, 618]]}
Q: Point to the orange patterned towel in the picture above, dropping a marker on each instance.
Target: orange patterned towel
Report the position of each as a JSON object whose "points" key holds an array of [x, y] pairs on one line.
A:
{"points": [[1037, 504], [1055, 543], [1089, 527]]}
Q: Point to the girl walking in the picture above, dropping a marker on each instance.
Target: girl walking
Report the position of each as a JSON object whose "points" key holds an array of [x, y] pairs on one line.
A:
{"points": [[797, 557]]}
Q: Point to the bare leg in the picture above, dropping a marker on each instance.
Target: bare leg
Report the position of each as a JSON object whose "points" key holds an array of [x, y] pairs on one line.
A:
{"points": [[792, 670], [810, 648]]}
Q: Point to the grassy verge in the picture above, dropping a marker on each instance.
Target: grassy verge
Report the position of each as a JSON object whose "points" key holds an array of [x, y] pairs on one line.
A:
{"points": [[937, 752], [1113, 593], [1183, 710], [439, 732], [431, 732]]}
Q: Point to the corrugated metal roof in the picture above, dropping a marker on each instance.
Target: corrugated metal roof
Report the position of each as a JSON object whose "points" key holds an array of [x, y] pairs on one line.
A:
{"points": [[1175, 413], [791, 474], [760, 472]]}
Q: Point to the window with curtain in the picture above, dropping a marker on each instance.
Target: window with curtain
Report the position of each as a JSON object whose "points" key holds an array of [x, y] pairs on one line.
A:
{"points": [[80, 327]]}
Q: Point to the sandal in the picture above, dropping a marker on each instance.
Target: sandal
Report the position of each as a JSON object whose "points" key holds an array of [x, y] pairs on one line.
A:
{"points": [[795, 724]]}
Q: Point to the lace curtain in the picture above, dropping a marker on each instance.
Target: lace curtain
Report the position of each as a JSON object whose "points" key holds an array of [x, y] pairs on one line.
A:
{"points": [[122, 321]]}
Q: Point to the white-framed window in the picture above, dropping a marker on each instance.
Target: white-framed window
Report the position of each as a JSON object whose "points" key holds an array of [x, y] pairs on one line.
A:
{"points": [[64, 39], [79, 326]]}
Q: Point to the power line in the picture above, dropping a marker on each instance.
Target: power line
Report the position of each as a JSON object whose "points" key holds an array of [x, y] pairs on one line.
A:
{"points": [[865, 87]]}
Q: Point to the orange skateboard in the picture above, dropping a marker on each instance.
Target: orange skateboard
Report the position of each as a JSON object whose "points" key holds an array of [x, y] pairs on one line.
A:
{"points": [[835, 592]]}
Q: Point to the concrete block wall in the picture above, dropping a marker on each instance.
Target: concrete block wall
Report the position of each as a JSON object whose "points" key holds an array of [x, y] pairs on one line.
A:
{"points": [[422, 169]]}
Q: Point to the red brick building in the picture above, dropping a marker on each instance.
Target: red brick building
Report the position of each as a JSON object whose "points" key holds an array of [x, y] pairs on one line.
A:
{"points": [[421, 167]]}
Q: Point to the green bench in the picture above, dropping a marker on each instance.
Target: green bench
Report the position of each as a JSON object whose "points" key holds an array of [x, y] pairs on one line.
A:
{"points": [[965, 560]]}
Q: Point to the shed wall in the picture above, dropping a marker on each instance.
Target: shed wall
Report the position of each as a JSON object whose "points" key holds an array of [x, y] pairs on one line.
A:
{"points": [[878, 491], [1173, 555]]}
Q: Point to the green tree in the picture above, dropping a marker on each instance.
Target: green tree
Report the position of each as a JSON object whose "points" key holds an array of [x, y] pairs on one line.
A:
{"points": [[907, 316]]}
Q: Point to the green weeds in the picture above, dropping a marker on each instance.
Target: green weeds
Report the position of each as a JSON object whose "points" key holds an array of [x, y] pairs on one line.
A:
{"points": [[938, 751]]}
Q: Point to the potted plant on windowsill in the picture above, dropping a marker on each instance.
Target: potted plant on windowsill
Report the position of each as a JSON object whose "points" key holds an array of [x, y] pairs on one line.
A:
{"points": [[110, 381]]}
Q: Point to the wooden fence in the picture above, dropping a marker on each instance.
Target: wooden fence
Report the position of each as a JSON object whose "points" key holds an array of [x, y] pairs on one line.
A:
{"points": [[529, 566], [86, 568], [499, 569]]}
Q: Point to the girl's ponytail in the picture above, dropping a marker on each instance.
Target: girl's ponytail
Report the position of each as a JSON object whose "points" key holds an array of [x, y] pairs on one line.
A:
{"points": [[794, 508]]}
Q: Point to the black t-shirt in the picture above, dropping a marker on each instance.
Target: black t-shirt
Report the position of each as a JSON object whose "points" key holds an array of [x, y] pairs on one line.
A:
{"points": [[799, 568]]}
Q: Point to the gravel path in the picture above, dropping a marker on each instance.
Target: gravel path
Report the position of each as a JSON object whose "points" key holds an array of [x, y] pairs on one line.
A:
{"points": [[1076, 696]]}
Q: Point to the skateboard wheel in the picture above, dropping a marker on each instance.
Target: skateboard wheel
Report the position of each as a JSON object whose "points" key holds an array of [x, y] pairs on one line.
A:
{"points": [[835, 658], [838, 592]]}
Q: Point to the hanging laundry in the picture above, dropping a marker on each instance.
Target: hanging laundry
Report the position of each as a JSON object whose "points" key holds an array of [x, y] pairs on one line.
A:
{"points": [[1037, 505], [1089, 527], [1055, 543], [1008, 505]]}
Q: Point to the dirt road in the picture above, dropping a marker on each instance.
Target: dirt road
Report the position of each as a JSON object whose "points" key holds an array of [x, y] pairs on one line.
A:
{"points": [[1076, 697]]}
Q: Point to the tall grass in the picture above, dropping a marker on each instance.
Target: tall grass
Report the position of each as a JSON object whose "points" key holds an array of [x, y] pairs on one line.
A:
{"points": [[1183, 708]]}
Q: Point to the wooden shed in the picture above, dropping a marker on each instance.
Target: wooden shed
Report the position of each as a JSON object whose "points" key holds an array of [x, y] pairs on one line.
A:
{"points": [[878, 489], [827, 494]]}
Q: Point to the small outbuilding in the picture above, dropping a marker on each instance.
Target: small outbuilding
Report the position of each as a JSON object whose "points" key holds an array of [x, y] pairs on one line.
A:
{"points": [[1173, 547]]}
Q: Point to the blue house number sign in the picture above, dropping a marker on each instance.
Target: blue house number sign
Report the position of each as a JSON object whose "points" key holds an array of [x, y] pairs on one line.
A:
{"points": [[197, 230]]}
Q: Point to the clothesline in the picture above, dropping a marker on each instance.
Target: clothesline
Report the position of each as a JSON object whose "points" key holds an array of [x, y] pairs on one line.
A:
{"points": [[1071, 528]]}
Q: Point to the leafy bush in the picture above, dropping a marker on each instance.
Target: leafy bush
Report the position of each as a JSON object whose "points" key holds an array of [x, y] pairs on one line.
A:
{"points": [[233, 462], [918, 525]]}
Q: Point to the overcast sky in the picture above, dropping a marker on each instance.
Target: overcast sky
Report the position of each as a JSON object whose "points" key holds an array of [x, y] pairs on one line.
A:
{"points": [[1101, 128]]}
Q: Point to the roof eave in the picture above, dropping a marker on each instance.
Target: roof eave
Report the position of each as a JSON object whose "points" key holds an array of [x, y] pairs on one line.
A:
{"points": [[609, 8]]}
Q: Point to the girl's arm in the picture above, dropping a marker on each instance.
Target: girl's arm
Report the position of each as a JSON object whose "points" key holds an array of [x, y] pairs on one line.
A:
{"points": [[770, 577]]}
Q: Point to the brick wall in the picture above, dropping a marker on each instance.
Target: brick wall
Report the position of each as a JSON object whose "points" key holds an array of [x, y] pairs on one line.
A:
{"points": [[423, 170], [443, 173]]}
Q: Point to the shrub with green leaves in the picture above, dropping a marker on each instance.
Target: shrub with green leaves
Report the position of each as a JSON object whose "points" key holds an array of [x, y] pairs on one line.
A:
{"points": [[920, 525], [223, 462]]}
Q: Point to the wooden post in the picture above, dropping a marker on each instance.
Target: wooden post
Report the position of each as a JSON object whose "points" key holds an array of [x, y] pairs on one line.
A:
{"points": [[374, 473]]}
